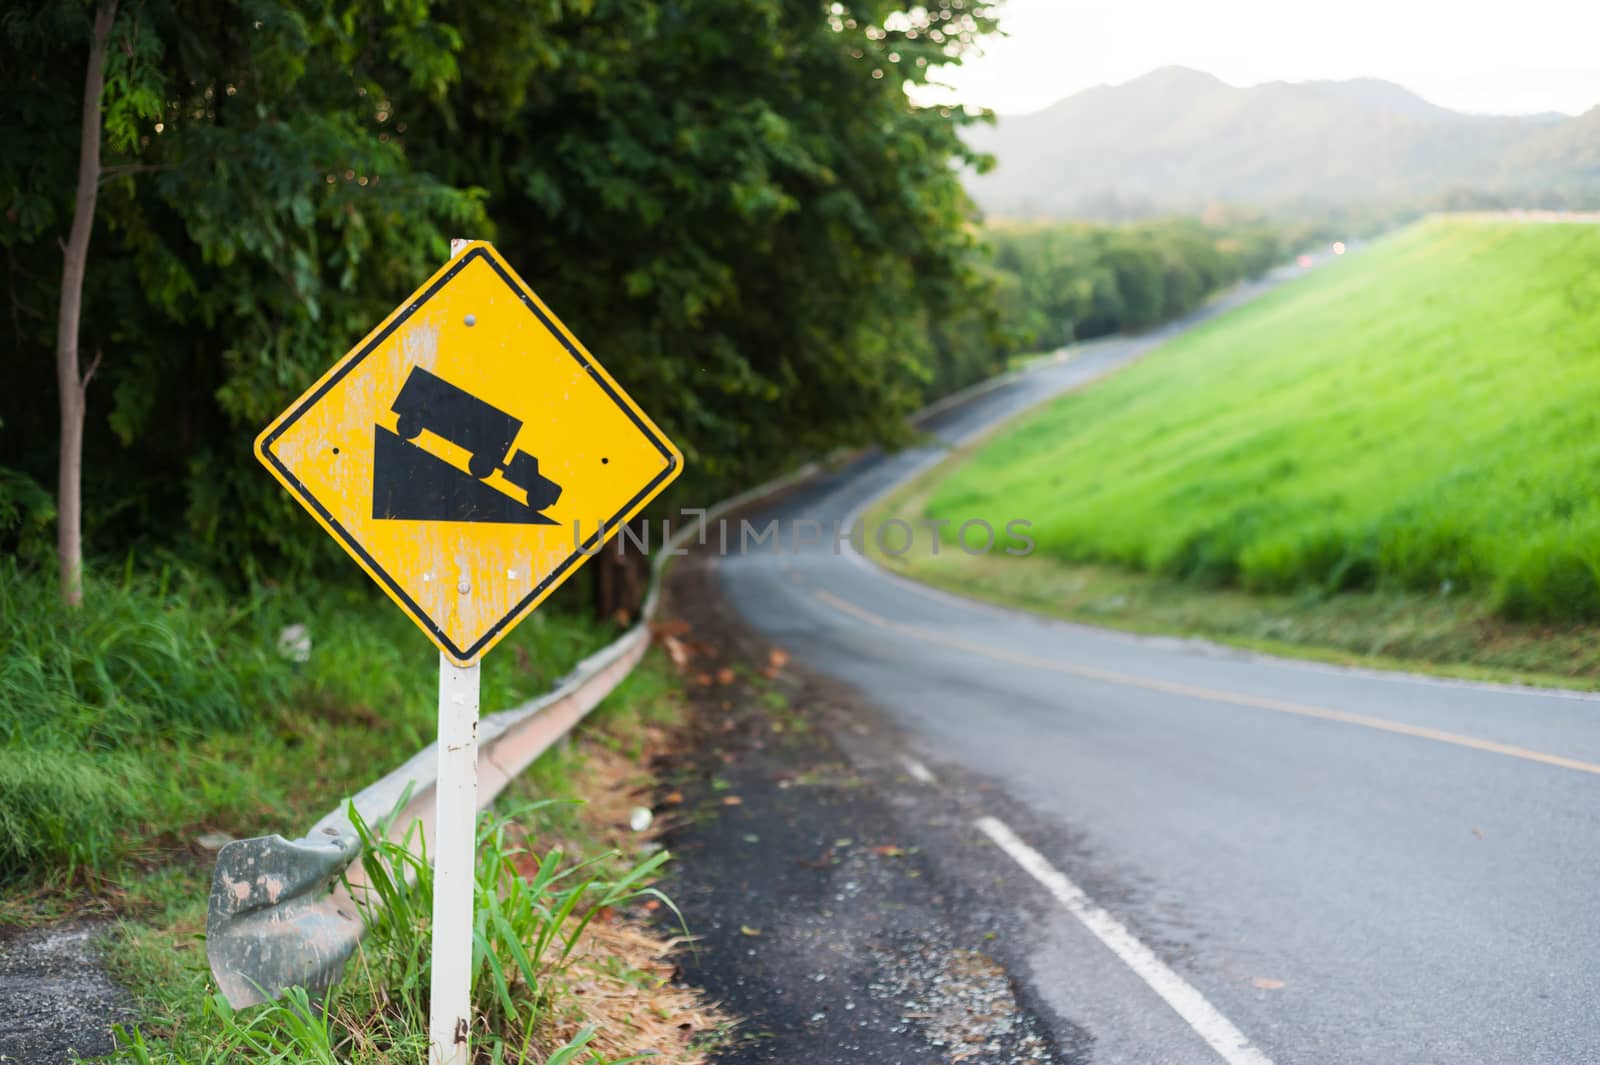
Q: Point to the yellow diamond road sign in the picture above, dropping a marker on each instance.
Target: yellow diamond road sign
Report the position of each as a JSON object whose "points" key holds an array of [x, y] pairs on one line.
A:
{"points": [[468, 452]]}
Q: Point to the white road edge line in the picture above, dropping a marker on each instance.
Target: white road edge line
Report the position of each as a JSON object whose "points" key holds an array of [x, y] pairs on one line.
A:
{"points": [[919, 772], [1208, 1023]]}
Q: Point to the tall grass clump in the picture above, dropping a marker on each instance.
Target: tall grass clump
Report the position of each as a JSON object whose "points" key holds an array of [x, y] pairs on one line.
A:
{"points": [[530, 914], [1422, 416], [166, 706], [151, 659]]}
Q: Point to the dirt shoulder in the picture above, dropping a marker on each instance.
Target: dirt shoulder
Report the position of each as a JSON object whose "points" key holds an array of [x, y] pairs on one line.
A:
{"points": [[818, 874]]}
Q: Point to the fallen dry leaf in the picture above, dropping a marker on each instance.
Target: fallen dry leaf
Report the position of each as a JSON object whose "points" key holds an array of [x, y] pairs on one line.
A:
{"points": [[731, 800], [674, 627], [636, 1004], [777, 658], [1266, 983], [703, 679], [747, 930], [672, 798], [725, 675], [1478, 832], [889, 851], [676, 651]]}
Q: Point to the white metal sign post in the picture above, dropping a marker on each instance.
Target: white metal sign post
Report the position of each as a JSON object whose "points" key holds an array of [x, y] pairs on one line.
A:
{"points": [[455, 847], [456, 453]]}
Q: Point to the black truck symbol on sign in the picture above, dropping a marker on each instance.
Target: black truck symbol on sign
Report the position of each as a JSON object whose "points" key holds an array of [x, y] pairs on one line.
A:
{"points": [[412, 484]]}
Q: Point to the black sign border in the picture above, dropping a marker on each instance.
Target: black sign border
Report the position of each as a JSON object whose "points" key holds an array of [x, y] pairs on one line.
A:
{"points": [[579, 552]]}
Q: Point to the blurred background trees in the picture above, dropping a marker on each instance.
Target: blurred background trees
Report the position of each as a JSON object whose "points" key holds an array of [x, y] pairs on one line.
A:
{"points": [[1066, 281], [733, 202]]}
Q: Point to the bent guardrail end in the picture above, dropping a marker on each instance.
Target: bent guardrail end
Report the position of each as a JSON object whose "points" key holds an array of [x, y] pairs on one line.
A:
{"points": [[270, 924]]}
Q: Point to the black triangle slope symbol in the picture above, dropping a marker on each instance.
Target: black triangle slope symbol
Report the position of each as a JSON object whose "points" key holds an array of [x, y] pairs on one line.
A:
{"points": [[408, 484]]}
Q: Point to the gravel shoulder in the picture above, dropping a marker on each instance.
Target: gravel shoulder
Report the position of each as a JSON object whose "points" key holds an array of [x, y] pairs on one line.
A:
{"points": [[56, 1000], [833, 893]]}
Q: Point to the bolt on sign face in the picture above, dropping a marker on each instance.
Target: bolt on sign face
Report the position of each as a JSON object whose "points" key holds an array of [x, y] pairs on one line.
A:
{"points": [[468, 452]]}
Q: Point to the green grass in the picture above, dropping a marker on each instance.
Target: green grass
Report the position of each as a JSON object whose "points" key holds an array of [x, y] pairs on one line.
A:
{"points": [[1389, 462], [543, 985], [530, 916], [1420, 418], [163, 709], [1448, 635]]}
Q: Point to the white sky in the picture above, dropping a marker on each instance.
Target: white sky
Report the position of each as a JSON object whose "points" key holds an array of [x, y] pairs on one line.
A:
{"points": [[1507, 57]]}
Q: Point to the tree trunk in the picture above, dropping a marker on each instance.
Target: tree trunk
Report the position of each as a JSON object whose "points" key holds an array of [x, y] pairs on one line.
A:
{"points": [[72, 384], [621, 577]]}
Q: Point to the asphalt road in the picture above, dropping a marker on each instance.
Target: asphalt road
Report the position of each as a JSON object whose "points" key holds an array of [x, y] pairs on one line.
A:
{"points": [[1318, 864]]}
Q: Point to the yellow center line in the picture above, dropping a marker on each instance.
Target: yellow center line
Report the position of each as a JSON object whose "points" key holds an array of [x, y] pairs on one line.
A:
{"points": [[1213, 695]]}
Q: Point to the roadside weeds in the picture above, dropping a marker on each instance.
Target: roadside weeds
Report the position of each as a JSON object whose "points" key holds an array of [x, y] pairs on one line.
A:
{"points": [[571, 964], [1440, 634]]}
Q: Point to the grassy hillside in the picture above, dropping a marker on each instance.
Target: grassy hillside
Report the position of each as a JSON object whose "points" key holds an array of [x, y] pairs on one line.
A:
{"points": [[1421, 417]]}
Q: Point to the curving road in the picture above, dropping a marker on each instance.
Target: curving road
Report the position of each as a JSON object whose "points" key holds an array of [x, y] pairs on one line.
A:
{"points": [[1230, 857]]}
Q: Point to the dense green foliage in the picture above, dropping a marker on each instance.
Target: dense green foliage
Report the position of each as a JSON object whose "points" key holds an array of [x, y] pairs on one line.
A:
{"points": [[163, 707], [733, 202], [1070, 281], [1420, 416]]}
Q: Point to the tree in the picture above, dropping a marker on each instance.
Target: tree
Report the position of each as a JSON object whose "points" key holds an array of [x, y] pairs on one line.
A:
{"points": [[733, 202], [254, 211], [1068, 281], [72, 384]]}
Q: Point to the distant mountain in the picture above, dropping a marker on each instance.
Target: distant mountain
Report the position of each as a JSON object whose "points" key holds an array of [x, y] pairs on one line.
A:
{"points": [[1570, 147], [1178, 139]]}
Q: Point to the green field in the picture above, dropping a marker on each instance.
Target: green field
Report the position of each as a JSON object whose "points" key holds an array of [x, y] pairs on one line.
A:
{"points": [[1420, 418]]}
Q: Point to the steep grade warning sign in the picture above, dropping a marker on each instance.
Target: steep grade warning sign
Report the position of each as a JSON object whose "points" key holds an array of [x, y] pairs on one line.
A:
{"points": [[468, 452]]}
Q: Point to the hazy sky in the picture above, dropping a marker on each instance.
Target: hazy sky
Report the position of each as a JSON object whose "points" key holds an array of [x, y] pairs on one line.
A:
{"points": [[1507, 57]]}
